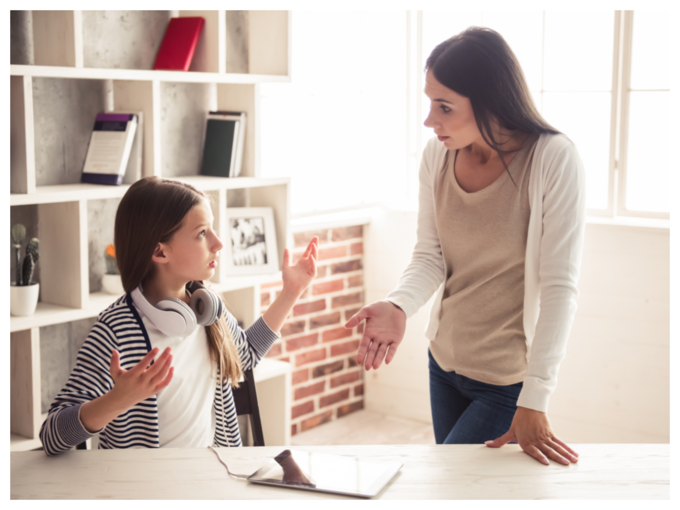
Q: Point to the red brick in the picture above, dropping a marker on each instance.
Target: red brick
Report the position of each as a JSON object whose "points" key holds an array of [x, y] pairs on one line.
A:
{"points": [[305, 308], [324, 320], [293, 429], [356, 249], [346, 267], [355, 281], [358, 390], [352, 361], [317, 420], [333, 334], [285, 358], [310, 356], [349, 408], [348, 299], [308, 391], [350, 312], [344, 348], [300, 409], [300, 376], [270, 285], [265, 298], [332, 252], [333, 398], [299, 342], [341, 234], [293, 328], [326, 287], [302, 238], [276, 350], [346, 378], [328, 368]]}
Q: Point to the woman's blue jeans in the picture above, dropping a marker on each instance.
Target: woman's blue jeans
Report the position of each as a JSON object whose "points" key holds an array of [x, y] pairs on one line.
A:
{"points": [[465, 411]]}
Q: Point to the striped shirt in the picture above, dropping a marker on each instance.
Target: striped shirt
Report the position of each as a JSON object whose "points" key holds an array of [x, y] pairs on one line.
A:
{"points": [[120, 327]]}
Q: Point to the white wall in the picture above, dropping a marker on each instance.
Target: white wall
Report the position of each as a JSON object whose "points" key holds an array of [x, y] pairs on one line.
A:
{"points": [[614, 384]]}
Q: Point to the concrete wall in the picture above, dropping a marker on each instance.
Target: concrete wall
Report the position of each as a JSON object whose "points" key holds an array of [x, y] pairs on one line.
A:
{"points": [[614, 383]]}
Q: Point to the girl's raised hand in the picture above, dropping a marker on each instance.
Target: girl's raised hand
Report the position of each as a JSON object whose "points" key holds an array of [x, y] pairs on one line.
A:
{"points": [[298, 277], [143, 380]]}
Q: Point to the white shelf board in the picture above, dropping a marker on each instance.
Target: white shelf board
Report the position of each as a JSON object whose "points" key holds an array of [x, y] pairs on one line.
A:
{"points": [[74, 192], [47, 314], [91, 73], [269, 368], [19, 443]]}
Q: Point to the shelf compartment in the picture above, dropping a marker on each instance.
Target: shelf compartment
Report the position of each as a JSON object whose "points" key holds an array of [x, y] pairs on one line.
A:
{"points": [[22, 145], [72, 192]]}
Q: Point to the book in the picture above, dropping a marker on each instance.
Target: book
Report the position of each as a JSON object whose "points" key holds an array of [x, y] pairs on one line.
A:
{"points": [[109, 150], [223, 146], [179, 43], [134, 170]]}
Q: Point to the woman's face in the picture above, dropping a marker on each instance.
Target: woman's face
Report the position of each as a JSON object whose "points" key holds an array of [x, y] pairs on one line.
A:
{"points": [[194, 249], [451, 115]]}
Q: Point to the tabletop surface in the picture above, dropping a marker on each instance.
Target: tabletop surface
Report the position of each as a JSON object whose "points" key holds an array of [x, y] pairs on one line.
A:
{"points": [[607, 471]]}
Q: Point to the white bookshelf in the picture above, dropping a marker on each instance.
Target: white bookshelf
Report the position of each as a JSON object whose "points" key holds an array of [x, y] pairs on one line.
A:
{"points": [[62, 209]]}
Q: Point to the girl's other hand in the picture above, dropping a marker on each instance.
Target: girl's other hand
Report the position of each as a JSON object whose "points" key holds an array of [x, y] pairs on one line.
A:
{"points": [[298, 277], [141, 381]]}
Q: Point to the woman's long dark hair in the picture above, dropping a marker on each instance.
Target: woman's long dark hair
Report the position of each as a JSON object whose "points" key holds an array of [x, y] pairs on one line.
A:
{"points": [[150, 212], [479, 64]]}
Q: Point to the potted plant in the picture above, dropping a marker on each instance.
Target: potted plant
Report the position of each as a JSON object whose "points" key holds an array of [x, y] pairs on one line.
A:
{"points": [[111, 280], [23, 292]]}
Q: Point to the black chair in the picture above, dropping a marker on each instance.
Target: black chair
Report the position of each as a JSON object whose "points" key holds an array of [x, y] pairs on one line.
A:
{"points": [[245, 401]]}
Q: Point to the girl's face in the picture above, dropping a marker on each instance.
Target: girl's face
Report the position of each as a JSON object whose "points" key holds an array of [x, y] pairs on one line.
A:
{"points": [[192, 252], [450, 116]]}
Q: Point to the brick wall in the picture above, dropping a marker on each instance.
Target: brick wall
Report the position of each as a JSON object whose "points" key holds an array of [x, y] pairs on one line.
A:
{"points": [[326, 382]]}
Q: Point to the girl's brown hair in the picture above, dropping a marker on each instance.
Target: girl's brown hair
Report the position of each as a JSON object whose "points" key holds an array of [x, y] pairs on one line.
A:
{"points": [[150, 212], [479, 64]]}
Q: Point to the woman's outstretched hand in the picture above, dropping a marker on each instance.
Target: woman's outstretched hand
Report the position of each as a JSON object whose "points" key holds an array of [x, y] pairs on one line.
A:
{"points": [[384, 329], [531, 430], [143, 380]]}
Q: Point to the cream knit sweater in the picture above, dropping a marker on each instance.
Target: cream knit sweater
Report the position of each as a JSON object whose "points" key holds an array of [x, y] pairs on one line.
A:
{"points": [[553, 259]]}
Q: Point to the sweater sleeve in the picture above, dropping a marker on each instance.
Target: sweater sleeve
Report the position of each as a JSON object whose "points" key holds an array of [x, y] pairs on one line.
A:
{"points": [[425, 273], [561, 248], [253, 343], [90, 379]]}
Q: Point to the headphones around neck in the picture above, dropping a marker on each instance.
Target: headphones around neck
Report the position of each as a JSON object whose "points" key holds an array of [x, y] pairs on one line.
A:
{"points": [[173, 317]]}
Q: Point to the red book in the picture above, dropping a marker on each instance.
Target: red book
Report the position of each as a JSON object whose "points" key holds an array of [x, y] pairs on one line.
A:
{"points": [[179, 43]]}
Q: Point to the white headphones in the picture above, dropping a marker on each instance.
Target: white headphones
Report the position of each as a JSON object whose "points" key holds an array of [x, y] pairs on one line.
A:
{"points": [[173, 317]]}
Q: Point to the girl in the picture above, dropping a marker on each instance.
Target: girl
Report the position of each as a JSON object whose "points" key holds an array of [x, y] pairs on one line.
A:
{"points": [[120, 388], [500, 229]]}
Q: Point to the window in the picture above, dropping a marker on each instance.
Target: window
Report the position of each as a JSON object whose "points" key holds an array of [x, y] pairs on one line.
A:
{"points": [[339, 129], [349, 132]]}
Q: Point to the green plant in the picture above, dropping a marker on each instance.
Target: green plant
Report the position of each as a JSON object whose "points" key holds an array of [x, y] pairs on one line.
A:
{"points": [[24, 271]]}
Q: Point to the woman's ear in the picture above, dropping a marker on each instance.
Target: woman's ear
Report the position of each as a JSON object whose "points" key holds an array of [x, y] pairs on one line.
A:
{"points": [[160, 254]]}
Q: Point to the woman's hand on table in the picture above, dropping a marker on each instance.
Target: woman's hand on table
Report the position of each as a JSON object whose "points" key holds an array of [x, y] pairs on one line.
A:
{"points": [[384, 329], [531, 430]]}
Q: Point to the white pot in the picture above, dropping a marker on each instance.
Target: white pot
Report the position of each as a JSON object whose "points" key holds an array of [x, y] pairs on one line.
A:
{"points": [[23, 299], [113, 284]]}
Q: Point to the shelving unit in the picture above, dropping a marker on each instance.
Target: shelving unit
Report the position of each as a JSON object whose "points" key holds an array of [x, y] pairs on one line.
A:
{"points": [[237, 51]]}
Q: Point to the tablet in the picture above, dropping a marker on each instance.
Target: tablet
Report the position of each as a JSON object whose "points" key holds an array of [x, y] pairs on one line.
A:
{"points": [[336, 474]]}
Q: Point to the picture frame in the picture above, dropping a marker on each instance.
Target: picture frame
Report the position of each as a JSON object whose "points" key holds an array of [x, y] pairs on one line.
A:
{"points": [[251, 244]]}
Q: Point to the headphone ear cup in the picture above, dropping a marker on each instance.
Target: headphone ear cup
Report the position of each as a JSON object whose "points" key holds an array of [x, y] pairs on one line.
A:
{"points": [[212, 306], [180, 307]]}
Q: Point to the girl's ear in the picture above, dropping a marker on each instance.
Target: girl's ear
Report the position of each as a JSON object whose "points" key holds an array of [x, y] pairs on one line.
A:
{"points": [[160, 255]]}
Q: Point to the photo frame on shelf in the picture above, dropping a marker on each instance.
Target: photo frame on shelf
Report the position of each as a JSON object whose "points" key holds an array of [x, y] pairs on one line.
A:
{"points": [[251, 245]]}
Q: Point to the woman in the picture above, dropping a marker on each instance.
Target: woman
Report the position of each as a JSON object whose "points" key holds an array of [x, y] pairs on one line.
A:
{"points": [[500, 230]]}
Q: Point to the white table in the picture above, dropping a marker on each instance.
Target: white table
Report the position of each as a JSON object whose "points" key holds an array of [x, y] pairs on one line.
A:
{"points": [[605, 471]]}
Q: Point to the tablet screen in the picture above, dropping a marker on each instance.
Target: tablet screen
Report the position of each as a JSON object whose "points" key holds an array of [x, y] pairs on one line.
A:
{"points": [[326, 473]]}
